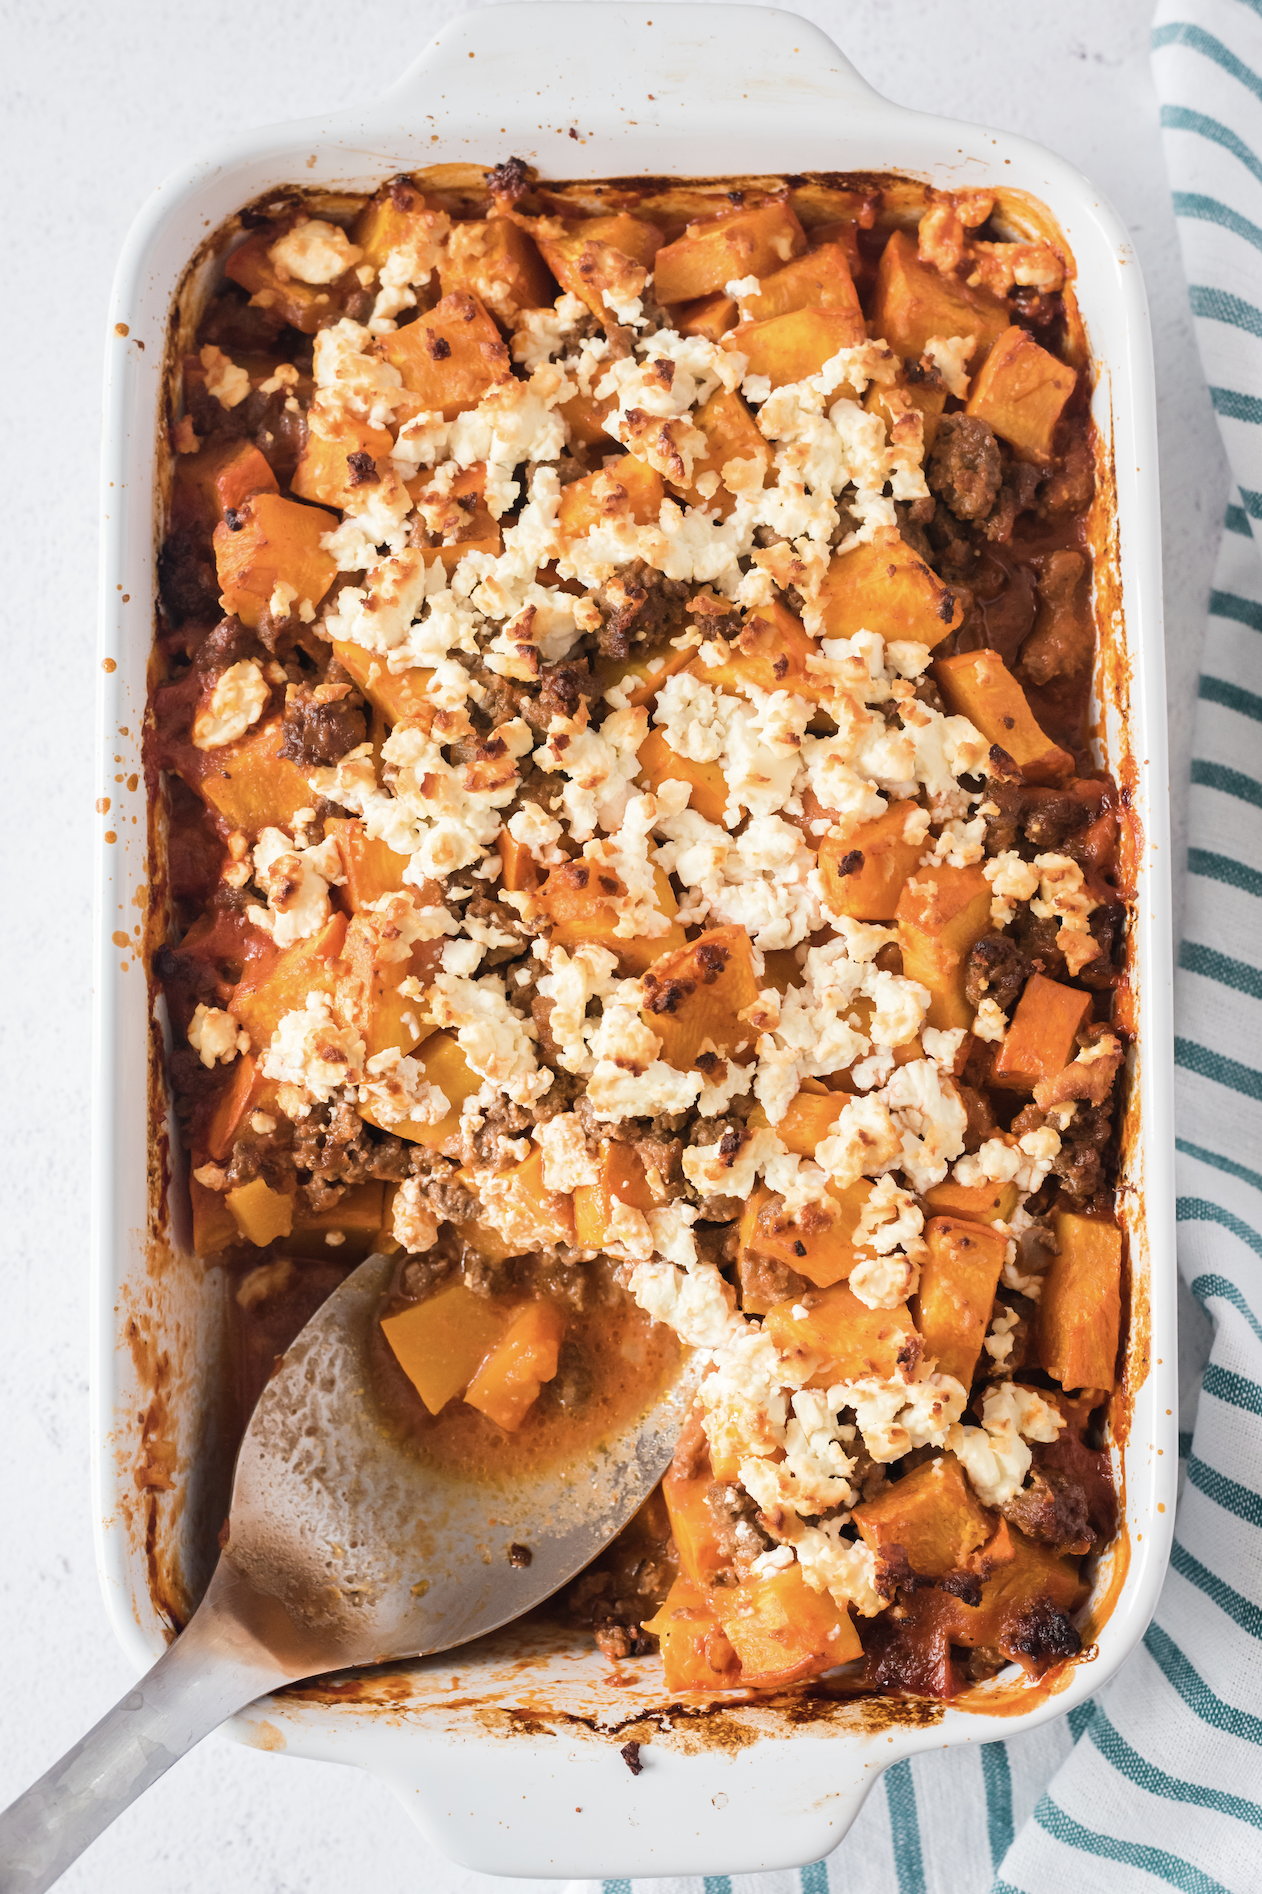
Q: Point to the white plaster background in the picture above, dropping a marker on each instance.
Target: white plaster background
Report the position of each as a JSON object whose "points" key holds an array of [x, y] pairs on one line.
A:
{"points": [[100, 102]]}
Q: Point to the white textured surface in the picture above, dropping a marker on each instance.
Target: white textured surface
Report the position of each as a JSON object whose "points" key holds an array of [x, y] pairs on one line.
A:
{"points": [[100, 104]]}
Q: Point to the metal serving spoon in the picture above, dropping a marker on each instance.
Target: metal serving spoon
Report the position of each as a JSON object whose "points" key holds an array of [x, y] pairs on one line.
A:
{"points": [[343, 1549]]}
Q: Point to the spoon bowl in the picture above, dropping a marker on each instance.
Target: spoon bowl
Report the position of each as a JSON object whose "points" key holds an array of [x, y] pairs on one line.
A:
{"points": [[343, 1547]]}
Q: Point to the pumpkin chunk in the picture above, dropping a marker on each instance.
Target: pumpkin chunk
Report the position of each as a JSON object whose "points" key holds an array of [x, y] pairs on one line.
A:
{"points": [[621, 1179], [781, 1630], [261, 1000], [731, 433], [250, 784], [499, 263], [978, 685], [941, 913], [692, 1523], [696, 994], [275, 542], [630, 486], [974, 1203], [507, 1384], [324, 471], [913, 302], [440, 1344], [581, 908], [371, 869], [1080, 1310], [789, 348], [1020, 391], [841, 1339], [819, 280], [443, 1065], [718, 251], [958, 1279], [818, 1242], [864, 873], [395, 694], [261, 1213], [696, 1654], [707, 786], [931, 1514], [710, 316], [887, 587], [771, 654], [451, 357], [1039, 1043]]}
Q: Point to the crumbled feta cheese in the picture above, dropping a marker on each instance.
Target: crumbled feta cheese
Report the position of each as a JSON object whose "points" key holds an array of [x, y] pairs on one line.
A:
{"points": [[951, 355], [313, 1052], [296, 883], [227, 382], [567, 1161], [236, 702], [215, 1036], [1011, 880], [496, 1041], [995, 1455], [990, 1021], [413, 1223], [1063, 895], [313, 252]]}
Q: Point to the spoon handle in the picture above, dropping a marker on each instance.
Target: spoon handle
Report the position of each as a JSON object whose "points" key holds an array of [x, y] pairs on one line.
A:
{"points": [[213, 1668]]}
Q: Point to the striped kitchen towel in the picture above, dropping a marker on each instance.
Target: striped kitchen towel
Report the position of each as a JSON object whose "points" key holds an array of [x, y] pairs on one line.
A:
{"points": [[1158, 1781]]}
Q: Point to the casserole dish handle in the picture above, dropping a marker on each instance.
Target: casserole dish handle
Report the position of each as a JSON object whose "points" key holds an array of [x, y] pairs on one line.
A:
{"points": [[751, 64]]}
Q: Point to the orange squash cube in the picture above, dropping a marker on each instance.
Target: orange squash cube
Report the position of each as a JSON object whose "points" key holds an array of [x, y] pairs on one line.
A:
{"points": [[261, 1214], [941, 913], [622, 1177], [692, 1524], [251, 785], [810, 1118], [526, 1215], [588, 268], [781, 1630], [771, 654], [789, 348], [445, 1066], [1080, 1310], [219, 475], [710, 316], [630, 486], [499, 263], [581, 913], [395, 694], [731, 434], [634, 236], [816, 1243], [247, 1091], [585, 417], [696, 995], [931, 1513], [368, 993], [507, 1384], [260, 999], [323, 472], [356, 1217], [819, 280], [1020, 391], [450, 357], [696, 1654], [395, 217], [1040, 1041], [303, 305], [1033, 1571], [520, 873], [841, 1339], [371, 869], [864, 873], [958, 1279], [886, 587], [717, 251], [441, 1343], [707, 791], [978, 685], [913, 301], [277, 542], [974, 1203], [925, 396]]}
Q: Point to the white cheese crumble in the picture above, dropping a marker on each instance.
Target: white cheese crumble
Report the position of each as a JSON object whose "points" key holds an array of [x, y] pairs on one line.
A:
{"points": [[313, 252], [236, 702], [216, 1036], [995, 1455]]}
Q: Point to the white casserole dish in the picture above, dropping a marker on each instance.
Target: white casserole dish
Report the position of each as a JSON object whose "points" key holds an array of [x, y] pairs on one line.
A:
{"points": [[685, 90]]}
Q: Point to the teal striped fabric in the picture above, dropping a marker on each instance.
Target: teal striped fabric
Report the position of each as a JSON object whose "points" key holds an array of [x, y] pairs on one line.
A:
{"points": [[1158, 1782]]}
